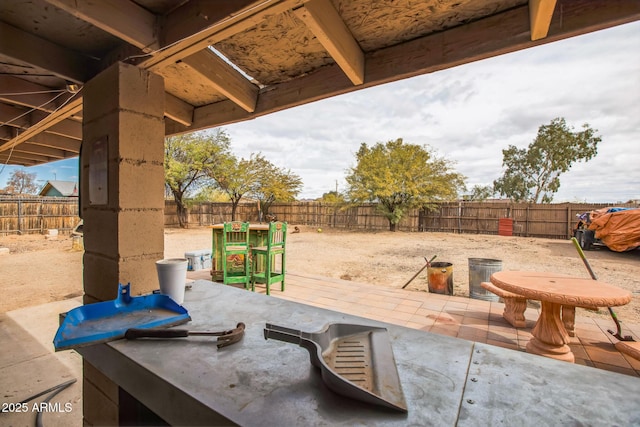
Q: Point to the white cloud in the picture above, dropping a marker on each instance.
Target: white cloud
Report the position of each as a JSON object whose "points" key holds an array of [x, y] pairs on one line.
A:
{"points": [[470, 113]]}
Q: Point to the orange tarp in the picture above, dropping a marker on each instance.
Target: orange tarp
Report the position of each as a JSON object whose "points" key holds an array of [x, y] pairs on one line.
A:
{"points": [[620, 231]]}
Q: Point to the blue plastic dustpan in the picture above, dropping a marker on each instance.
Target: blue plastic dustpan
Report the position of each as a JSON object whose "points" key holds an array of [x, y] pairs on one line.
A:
{"points": [[109, 320]]}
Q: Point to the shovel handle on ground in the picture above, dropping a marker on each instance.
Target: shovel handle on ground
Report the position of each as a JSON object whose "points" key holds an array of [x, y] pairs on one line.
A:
{"points": [[584, 258], [618, 332], [420, 271]]}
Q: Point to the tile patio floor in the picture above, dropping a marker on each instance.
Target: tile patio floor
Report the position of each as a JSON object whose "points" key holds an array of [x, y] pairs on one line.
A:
{"points": [[461, 317]]}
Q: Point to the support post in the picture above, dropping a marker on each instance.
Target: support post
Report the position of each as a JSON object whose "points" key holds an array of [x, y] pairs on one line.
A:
{"points": [[122, 175]]}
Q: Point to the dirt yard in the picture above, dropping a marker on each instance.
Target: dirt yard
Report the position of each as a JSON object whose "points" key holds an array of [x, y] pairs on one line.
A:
{"points": [[39, 270]]}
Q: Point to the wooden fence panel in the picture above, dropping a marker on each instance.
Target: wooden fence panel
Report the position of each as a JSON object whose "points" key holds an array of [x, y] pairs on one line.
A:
{"points": [[542, 220], [37, 214], [535, 220], [20, 214]]}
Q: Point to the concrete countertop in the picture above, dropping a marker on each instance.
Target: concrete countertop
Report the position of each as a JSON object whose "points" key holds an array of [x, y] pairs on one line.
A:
{"points": [[446, 381]]}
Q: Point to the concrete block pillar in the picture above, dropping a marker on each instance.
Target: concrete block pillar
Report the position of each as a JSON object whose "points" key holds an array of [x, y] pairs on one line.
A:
{"points": [[122, 199]]}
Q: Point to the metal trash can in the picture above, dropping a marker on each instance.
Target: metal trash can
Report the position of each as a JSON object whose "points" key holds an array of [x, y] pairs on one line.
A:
{"points": [[480, 270], [440, 278]]}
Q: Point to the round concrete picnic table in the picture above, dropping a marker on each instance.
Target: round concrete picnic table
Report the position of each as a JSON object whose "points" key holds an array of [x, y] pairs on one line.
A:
{"points": [[554, 290]]}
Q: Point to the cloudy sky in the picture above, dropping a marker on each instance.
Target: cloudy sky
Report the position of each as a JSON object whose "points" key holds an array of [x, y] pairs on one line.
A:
{"points": [[468, 114]]}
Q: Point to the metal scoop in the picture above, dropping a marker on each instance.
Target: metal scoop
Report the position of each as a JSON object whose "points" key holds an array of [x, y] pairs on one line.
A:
{"points": [[355, 360]]}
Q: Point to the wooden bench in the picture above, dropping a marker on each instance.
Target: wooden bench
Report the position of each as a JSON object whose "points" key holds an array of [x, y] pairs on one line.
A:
{"points": [[515, 305]]}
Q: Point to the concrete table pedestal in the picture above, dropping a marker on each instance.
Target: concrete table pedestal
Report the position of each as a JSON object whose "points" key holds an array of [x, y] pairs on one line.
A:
{"points": [[553, 290]]}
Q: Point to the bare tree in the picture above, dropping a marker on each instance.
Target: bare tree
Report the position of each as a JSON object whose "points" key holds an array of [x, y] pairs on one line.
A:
{"points": [[22, 182]]}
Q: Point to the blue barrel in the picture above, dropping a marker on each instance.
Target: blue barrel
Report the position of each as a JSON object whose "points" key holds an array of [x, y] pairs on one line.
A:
{"points": [[480, 270]]}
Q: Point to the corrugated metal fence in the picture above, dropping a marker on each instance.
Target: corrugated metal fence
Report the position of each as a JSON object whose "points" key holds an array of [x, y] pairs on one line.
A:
{"points": [[37, 214]]}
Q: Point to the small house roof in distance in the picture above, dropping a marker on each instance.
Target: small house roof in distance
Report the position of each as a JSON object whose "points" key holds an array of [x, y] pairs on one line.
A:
{"points": [[60, 189]]}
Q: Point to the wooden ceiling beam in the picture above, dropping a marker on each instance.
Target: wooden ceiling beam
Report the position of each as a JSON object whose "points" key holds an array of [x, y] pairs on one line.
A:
{"points": [[73, 107], [178, 110], [16, 117], [6, 159], [195, 16], [56, 141], [19, 117], [17, 156], [219, 24], [31, 148], [326, 24], [540, 14], [224, 78], [7, 132], [209, 28], [499, 34], [41, 53], [67, 128], [131, 23], [30, 94], [122, 18], [70, 145], [10, 118]]}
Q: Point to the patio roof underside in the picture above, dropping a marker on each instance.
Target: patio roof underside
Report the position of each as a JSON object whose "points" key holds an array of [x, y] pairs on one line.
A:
{"points": [[229, 61]]}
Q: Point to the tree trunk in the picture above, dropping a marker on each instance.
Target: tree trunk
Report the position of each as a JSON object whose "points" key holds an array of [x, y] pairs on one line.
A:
{"points": [[392, 226], [265, 205], [182, 215], [181, 210], [234, 205]]}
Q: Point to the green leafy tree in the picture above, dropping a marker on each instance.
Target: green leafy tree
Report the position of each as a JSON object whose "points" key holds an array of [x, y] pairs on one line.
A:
{"points": [[273, 185], [336, 201], [533, 174], [399, 176], [211, 194], [333, 197], [21, 182], [189, 161], [236, 177]]}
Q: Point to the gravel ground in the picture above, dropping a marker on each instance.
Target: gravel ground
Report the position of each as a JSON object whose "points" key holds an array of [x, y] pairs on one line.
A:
{"points": [[39, 270]]}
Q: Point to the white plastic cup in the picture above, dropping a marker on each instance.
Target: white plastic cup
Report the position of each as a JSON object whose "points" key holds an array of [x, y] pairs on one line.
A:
{"points": [[172, 275]]}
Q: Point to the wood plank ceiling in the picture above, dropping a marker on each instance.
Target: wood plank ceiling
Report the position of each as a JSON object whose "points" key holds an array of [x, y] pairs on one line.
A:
{"points": [[228, 61]]}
